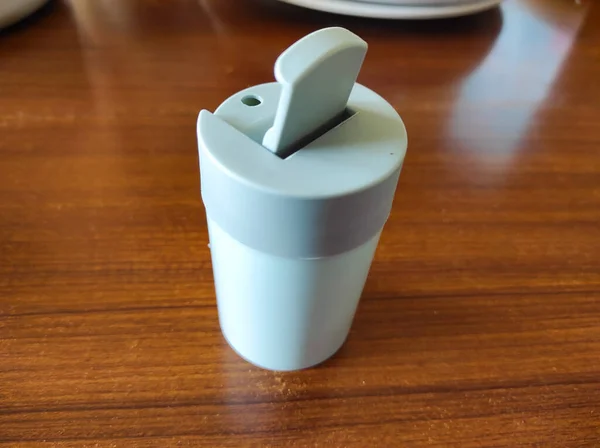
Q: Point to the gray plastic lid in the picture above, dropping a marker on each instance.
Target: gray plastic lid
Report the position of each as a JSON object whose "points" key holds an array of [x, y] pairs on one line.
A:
{"points": [[330, 196]]}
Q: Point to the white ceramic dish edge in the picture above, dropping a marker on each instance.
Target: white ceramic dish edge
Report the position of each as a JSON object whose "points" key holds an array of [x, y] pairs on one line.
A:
{"points": [[11, 11], [389, 11]]}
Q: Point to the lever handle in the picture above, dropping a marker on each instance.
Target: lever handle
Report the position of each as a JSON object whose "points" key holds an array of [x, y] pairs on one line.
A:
{"points": [[317, 75]]}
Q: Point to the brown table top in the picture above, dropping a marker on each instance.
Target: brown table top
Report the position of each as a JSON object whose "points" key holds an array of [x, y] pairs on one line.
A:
{"points": [[480, 321]]}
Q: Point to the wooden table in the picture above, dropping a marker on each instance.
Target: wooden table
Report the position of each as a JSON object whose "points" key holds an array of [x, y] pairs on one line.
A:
{"points": [[480, 322]]}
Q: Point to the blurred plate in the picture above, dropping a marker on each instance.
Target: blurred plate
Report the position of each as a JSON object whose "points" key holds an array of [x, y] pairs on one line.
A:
{"points": [[431, 9], [12, 11], [415, 2]]}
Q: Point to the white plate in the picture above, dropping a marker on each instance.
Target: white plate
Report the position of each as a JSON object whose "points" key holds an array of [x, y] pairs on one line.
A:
{"points": [[12, 11], [415, 2], [396, 11]]}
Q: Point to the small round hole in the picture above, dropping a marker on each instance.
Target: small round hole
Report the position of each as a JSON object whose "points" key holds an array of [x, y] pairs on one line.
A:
{"points": [[252, 100]]}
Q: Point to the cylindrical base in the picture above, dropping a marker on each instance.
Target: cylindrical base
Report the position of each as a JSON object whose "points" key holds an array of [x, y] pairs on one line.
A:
{"points": [[286, 314]]}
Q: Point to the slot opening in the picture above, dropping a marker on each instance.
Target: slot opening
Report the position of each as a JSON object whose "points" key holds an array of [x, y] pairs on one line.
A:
{"points": [[331, 124]]}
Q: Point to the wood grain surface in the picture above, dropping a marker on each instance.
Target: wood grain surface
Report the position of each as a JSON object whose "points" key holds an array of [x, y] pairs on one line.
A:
{"points": [[480, 322]]}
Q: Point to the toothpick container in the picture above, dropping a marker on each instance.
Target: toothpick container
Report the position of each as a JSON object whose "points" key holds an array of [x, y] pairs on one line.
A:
{"points": [[292, 239]]}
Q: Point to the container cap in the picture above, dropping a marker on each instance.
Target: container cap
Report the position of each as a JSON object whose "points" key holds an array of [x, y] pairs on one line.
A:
{"points": [[306, 167]]}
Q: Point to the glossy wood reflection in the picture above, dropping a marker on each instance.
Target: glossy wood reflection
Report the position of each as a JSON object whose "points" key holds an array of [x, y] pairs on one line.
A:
{"points": [[480, 321]]}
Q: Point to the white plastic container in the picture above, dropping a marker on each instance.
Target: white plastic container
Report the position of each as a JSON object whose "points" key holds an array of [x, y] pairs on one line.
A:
{"points": [[292, 237]]}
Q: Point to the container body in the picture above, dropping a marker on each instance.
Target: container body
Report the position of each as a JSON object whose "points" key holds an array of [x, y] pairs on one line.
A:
{"points": [[292, 238], [286, 313]]}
